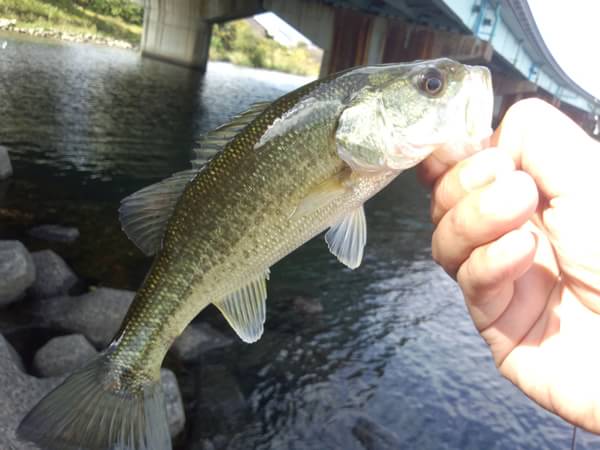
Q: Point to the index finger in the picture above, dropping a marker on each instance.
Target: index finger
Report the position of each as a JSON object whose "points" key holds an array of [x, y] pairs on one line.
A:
{"points": [[549, 146], [430, 169]]}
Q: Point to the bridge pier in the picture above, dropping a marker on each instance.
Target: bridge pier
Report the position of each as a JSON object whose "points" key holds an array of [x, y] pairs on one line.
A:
{"points": [[176, 32], [179, 31], [366, 39]]}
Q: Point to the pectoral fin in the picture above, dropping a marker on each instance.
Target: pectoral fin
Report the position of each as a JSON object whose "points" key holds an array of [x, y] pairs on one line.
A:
{"points": [[322, 194], [245, 309], [347, 238]]}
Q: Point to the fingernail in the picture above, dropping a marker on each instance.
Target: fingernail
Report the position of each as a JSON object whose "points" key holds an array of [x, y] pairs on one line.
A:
{"points": [[483, 168]]}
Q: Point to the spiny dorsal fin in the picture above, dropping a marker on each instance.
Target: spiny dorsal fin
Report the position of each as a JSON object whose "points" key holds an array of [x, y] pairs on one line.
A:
{"points": [[144, 214], [347, 238], [214, 141], [305, 112], [245, 309]]}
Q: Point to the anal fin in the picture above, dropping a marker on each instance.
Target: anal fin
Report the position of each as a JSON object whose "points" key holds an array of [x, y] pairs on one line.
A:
{"points": [[245, 309]]}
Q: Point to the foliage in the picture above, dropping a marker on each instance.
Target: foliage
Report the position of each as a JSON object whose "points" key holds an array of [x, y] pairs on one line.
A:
{"points": [[66, 15], [124, 9], [236, 42]]}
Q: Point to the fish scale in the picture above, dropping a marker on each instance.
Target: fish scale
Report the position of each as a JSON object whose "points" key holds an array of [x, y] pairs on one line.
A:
{"points": [[255, 222]]}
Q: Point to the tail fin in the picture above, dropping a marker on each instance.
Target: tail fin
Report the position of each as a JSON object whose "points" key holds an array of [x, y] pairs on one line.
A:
{"points": [[87, 412]]}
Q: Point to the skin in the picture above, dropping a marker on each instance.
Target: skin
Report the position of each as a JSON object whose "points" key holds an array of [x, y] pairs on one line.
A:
{"points": [[517, 227]]}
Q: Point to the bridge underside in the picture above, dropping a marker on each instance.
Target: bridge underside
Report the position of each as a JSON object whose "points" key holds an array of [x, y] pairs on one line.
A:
{"points": [[179, 31]]}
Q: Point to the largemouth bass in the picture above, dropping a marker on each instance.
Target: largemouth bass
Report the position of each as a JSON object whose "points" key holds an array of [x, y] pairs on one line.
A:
{"points": [[260, 187]]}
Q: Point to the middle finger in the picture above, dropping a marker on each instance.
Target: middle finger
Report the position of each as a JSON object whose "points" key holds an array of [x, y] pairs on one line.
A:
{"points": [[467, 176], [482, 217]]}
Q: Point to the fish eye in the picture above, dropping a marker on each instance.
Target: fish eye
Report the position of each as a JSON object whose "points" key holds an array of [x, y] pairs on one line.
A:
{"points": [[432, 82]]}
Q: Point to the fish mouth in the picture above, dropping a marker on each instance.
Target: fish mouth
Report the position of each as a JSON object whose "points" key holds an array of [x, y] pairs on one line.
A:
{"points": [[479, 106]]}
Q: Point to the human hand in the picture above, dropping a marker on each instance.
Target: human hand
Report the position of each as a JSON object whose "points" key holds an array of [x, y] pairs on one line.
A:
{"points": [[518, 226]]}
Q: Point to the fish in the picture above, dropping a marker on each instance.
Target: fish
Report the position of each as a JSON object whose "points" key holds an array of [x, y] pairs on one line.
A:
{"points": [[260, 186]]}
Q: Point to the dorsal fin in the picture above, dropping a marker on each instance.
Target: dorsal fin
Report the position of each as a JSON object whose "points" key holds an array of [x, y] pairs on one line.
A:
{"points": [[145, 213], [300, 115], [214, 141]]}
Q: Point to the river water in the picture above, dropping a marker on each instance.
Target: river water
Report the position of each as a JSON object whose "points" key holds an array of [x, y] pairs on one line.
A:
{"points": [[392, 361]]}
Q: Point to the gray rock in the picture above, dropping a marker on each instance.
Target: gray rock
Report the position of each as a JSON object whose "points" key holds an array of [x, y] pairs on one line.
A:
{"points": [[62, 355], [54, 233], [308, 305], [203, 444], [97, 315], [220, 442], [16, 358], [17, 271], [173, 402], [357, 431], [197, 339], [221, 400], [53, 276], [6, 169], [19, 392], [374, 436]]}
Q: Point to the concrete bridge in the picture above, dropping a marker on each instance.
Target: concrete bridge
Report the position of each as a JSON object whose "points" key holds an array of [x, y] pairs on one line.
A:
{"points": [[498, 33]]}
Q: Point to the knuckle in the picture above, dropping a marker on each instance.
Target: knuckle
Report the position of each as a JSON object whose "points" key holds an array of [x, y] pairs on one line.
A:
{"points": [[460, 225], [442, 255]]}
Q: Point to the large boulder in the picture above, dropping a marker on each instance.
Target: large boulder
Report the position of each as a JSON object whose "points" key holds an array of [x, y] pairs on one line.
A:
{"points": [[55, 233], [17, 271], [16, 358], [5, 165], [97, 315], [19, 392], [173, 402], [61, 355], [53, 276], [221, 405], [197, 339]]}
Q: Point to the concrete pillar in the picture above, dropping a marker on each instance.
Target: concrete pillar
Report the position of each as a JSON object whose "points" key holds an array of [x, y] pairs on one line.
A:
{"points": [[175, 31], [313, 19], [376, 41]]}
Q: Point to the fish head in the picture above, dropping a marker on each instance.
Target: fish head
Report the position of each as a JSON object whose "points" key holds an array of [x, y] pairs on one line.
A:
{"points": [[407, 111]]}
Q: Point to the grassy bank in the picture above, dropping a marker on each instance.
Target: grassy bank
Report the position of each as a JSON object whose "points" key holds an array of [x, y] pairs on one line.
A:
{"points": [[102, 18], [238, 43]]}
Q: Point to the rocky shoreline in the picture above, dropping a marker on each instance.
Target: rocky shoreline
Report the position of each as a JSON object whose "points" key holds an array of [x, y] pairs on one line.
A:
{"points": [[52, 322], [11, 25], [67, 324]]}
